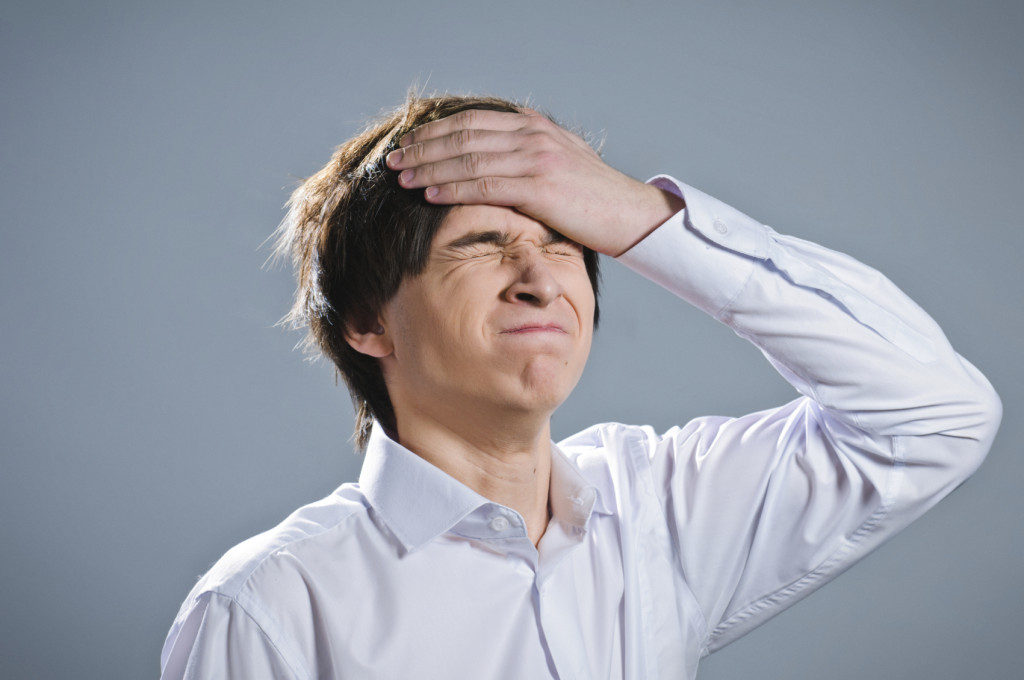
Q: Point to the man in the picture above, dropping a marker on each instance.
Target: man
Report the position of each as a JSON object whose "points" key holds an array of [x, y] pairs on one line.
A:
{"points": [[446, 265]]}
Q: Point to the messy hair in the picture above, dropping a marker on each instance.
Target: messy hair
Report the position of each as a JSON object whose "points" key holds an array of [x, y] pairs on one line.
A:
{"points": [[353, 234]]}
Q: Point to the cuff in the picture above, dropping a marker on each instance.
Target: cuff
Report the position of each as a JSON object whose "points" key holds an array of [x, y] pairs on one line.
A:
{"points": [[704, 254]]}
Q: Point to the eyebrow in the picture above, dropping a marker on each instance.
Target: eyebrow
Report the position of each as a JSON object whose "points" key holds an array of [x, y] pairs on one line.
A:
{"points": [[490, 237], [500, 238]]}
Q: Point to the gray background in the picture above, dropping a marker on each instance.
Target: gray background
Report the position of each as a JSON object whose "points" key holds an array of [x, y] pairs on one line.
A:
{"points": [[152, 416]]}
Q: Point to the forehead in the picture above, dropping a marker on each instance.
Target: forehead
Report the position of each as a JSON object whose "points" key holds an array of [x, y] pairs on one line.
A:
{"points": [[462, 220]]}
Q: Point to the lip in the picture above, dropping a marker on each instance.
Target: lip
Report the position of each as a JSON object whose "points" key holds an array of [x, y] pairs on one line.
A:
{"points": [[526, 328]]}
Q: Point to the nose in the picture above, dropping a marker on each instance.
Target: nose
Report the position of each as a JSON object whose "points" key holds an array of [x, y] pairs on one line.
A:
{"points": [[535, 283]]}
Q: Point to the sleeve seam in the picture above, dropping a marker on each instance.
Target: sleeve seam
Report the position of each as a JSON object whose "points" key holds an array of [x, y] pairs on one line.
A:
{"points": [[893, 483], [723, 311], [270, 639]]}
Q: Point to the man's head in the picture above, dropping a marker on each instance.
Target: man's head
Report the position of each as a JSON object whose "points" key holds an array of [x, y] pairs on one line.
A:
{"points": [[354, 235]]}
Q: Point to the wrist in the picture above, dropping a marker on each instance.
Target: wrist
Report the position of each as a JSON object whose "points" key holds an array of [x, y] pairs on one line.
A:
{"points": [[653, 208]]}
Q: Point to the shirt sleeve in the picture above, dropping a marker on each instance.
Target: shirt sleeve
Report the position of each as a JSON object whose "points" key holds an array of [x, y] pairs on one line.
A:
{"points": [[219, 639], [763, 509]]}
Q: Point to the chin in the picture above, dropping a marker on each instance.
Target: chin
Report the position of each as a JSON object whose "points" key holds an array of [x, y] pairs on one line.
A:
{"points": [[547, 391]]}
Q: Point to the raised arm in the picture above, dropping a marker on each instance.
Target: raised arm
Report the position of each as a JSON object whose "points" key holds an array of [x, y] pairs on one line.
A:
{"points": [[765, 508], [759, 510]]}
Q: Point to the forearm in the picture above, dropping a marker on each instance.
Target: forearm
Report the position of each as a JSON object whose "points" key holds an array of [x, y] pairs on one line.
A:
{"points": [[838, 330]]}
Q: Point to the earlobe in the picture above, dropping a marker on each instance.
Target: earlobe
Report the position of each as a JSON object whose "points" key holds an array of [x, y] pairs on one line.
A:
{"points": [[375, 342]]}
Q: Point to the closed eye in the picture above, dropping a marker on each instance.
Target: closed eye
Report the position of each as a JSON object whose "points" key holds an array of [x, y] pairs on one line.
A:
{"points": [[493, 242], [557, 244], [564, 248], [481, 250]]}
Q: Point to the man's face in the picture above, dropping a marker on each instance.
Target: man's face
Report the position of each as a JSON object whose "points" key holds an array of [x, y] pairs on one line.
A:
{"points": [[500, 320]]}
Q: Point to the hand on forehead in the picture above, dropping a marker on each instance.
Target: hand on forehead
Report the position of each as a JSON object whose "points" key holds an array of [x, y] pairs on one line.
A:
{"points": [[527, 162]]}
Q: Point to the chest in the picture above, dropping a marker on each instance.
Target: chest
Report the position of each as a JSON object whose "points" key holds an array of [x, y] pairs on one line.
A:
{"points": [[469, 608]]}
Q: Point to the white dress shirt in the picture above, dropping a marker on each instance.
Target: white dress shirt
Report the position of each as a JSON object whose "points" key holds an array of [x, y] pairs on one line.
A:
{"points": [[662, 547]]}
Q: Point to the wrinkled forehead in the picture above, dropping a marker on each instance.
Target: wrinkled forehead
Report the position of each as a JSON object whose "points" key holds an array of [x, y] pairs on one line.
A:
{"points": [[470, 221]]}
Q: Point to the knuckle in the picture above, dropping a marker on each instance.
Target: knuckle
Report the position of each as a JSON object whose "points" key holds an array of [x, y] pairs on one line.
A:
{"points": [[460, 139], [545, 141], [489, 186], [416, 151], [454, 192], [472, 163], [546, 159], [536, 120], [536, 140]]}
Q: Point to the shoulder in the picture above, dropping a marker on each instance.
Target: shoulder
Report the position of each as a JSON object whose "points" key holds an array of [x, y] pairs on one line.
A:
{"points": [[636, 444], [304, 537], [613, 457], [605, 438], [693, 438], [620, 458], [262, 593]]}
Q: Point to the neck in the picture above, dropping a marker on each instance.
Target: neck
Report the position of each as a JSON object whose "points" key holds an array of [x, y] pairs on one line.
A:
{"points": [[510, 465]]}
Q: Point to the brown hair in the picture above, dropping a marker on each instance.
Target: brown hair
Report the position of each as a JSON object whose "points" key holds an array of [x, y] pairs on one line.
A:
{"points": [[353, 233]]}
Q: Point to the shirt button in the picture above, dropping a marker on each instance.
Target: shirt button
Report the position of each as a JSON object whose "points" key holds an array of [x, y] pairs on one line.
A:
{"points": [[720, 226], [499, 524]]}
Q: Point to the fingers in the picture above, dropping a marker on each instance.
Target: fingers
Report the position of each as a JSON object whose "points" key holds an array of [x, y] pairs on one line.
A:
{"points": [[506, 191], [471, 119], [458, 143], [478, 131], [480, 156], [468, 153], [470, 166]]}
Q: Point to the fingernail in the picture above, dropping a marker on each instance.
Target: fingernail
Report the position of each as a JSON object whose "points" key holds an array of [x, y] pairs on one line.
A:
{"points": [[406, 176], [432, 191], [395, 157]]}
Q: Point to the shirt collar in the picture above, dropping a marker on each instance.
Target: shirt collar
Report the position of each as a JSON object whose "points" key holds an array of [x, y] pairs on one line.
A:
{"points": [[415, 499], [573, 499], [418, 502]]}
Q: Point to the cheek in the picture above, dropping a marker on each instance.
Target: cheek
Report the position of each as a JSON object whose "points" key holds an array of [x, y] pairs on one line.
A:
{"points": [[583, 354], [585, 311], [583, 302], [439, 329]]}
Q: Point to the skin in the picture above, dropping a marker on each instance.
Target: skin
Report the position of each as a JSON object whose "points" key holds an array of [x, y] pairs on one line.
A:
{"points": [[526, 162], [481, 348]]}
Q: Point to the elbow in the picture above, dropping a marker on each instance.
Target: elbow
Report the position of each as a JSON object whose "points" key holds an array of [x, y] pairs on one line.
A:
{"points": [[953, 440], [981, 412], [989, 416]]}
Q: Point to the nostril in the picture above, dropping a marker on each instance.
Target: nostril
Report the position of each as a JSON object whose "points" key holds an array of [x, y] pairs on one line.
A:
{"points": [[527, 297]]}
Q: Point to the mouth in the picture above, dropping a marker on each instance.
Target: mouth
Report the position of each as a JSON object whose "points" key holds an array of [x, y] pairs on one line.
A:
{"points": [[526, 328]]}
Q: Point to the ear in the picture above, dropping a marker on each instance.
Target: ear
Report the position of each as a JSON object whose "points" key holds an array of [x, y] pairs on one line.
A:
{"points": [[374, 342]]}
